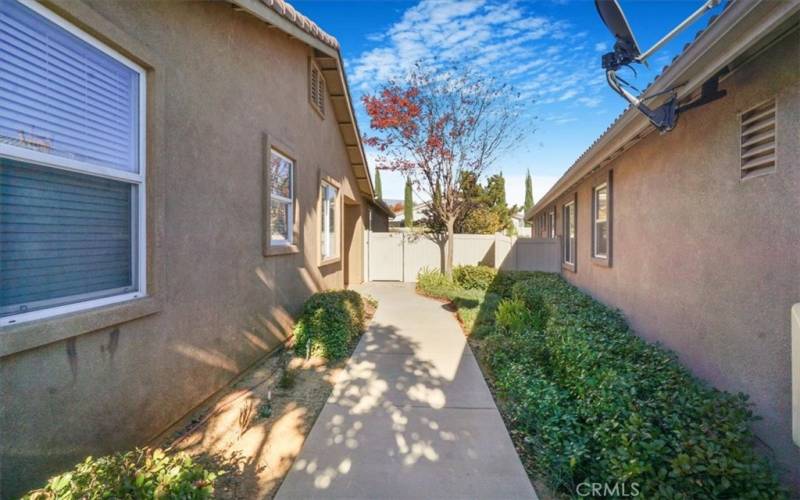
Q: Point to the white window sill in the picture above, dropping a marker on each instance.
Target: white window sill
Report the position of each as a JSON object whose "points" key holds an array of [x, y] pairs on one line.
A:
{"points": [[329, 260]]}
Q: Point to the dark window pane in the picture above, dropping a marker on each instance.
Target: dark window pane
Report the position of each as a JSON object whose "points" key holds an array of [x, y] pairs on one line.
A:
{"points": [[64, 237]]}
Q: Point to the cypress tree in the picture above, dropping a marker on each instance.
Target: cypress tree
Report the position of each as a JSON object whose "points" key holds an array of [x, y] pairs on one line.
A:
{"points": [[378, 187], [528, 194]]}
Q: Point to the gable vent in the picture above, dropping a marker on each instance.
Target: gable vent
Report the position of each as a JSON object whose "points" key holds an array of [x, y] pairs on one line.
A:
{"points": [[316, 92], [758, 139]]}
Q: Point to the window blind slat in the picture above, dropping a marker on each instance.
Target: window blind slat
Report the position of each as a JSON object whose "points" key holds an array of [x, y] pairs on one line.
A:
{"points": [[61, 95], [28, 27], [51, 251]]}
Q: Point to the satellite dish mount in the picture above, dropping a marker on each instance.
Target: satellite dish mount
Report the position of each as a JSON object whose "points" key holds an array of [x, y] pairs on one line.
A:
{"points": [[626, 52]]}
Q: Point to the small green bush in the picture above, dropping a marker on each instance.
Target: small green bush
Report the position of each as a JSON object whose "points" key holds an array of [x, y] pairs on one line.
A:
{"points": [[474, 277], [140, 474], [433, 282], [329, 324], [532, 298], [512, 316], [597, 403]]}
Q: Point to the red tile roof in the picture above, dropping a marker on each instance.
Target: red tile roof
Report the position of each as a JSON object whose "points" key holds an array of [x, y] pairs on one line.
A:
{"points": [[286, 10]]}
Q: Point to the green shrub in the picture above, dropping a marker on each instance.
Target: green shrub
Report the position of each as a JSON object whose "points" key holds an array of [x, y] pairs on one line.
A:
{"points": [[597, 403], [329, 324], [512, 316], [474, 277], [140, 474], [533, 302], [505, 280], [434, 283]]}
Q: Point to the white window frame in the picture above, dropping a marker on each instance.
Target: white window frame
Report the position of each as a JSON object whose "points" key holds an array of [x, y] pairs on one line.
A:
{"points": [[552, 222], [596, 221], [325, 223], [566, 210], [137, 180], [289, 241]]}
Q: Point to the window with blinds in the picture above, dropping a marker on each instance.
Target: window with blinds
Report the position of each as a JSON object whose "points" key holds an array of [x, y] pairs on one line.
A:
{"points": [[72, 178], [758, 140], [316, 88]]}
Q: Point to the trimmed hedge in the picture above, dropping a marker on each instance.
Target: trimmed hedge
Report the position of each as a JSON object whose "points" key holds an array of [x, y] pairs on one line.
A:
{"points": [[599, 404], [474, 277], [142, 473], [329, 324]]}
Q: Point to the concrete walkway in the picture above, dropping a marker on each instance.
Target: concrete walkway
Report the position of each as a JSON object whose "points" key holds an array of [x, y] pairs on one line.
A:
{"points": [[411, 417]]}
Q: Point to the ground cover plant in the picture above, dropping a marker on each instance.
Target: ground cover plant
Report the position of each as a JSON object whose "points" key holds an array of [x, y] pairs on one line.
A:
{"points": [[592, 402], [329, 324], [142, 473]]}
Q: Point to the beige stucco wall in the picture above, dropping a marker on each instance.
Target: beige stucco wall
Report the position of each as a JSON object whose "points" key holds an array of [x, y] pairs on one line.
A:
{"points": [[218, 81], [703, 262], [380, 221]]}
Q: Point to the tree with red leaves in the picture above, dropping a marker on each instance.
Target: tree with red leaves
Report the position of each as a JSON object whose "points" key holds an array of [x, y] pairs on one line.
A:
{"points": [[437, 125]]}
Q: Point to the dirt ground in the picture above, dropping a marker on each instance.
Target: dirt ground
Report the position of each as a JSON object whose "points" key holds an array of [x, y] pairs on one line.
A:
{"points": [[254, 429]]}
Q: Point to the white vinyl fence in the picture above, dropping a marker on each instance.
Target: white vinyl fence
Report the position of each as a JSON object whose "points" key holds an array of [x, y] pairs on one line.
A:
{"points": [[399, 256]]}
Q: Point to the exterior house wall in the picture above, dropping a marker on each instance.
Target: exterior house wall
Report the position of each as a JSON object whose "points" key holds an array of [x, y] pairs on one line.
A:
{"points": [[380, 221], [703, 262], [218, 81]]}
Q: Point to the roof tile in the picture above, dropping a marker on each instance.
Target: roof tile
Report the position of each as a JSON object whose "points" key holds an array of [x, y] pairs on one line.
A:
{"points": [[286, 10]]}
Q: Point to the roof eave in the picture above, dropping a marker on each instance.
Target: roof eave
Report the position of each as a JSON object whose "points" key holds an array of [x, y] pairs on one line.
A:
{"points": [[743, 24], [383, 207], [344, 115]]}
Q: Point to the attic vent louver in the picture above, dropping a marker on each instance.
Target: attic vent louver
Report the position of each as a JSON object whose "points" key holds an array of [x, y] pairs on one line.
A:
{"points": [[316, 91], [758, 139]]}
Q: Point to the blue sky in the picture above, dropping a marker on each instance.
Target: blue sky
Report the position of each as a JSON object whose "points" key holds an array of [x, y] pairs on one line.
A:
{"points": [[548, 50]]}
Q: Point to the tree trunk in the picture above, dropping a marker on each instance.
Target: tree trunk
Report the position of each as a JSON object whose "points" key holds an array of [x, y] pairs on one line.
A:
{"points": [[448, 256]]}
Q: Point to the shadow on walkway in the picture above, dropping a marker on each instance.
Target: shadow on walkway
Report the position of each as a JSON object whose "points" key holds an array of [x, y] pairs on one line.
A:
{"points": [[409, 417]]}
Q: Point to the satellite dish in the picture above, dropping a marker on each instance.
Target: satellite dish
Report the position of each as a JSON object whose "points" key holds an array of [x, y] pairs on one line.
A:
{"points": [[626, 52], [614, 19]]}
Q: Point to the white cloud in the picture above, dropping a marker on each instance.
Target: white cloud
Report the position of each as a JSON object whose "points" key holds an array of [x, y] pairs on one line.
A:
{"points": [[590, 102], [555, 69], [484, 33]]}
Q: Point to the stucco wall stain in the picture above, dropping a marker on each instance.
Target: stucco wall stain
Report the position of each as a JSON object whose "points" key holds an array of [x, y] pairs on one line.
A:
{"points": [[112, 345], [72, 357]]}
